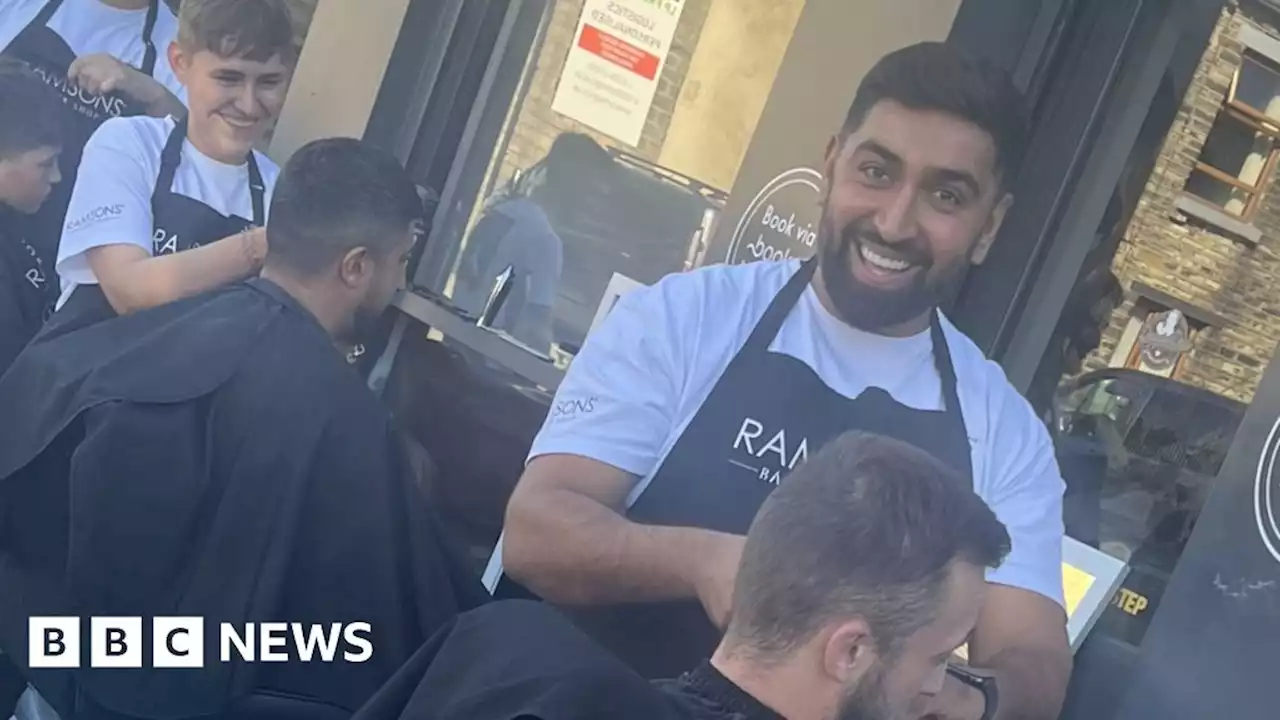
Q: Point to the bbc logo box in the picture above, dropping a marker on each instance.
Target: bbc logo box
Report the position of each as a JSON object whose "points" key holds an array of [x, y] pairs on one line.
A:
{"points": [[115, 642], [179, 642]]}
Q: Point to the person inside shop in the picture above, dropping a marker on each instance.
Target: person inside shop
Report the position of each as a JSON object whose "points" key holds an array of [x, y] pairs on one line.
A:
{"points": [[30, 143], [519, 232], [106, 59], [698, 395], [165, 208], [859, 578], [217, 457]]}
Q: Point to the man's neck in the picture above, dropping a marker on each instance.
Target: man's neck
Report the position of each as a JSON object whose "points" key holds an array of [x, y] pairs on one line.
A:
{"points": [[915, 326], [331, 318], [778, 687], [126, 4]]}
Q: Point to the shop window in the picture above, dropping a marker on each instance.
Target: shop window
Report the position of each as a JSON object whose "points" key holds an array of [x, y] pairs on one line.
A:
{"points": [[1139, 454], [1156, 341], [1240, 152]]}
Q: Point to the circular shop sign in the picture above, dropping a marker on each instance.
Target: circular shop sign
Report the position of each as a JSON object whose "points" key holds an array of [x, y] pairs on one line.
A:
{"points": [[781, 221], [1265, 495]]}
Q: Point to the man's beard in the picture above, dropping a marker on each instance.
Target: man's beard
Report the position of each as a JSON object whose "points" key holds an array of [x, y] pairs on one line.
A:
{"points": [[364, 323], [875, 309], [868, 700]]}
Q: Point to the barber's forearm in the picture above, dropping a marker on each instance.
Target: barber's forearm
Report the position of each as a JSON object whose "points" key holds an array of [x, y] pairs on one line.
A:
{"points": [[157, 98], [1032, 682], [159, 280], [572, 550], [166, 104]]}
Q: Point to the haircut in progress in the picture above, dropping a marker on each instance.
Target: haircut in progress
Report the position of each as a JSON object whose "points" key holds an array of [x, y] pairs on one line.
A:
{"points": [[936, 76], [868, 527], [334, 196], [256, 30], [30, 111], [31, 136]]}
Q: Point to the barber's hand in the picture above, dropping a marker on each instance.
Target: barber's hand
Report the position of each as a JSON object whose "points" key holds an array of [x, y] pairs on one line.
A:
{"points": [[102, 74], [254, 242], [718, 571], [956, 701]]}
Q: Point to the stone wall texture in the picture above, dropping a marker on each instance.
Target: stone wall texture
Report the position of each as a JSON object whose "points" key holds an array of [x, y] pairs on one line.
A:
{"points": [[1195, 262]]}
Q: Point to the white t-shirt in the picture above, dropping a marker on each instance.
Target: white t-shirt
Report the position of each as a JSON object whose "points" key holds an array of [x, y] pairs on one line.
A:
{"points": [[91, 26], [111, 202], [644, 373]]}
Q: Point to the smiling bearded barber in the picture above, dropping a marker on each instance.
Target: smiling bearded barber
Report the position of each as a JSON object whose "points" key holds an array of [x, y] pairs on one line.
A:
{"points": [[165, 209], [696, 396]]}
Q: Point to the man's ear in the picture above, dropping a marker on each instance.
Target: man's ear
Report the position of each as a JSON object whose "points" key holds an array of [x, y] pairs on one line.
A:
{"points": [[992, 229], [849, 651], [356, 267], [834, 145], [180, 61]]}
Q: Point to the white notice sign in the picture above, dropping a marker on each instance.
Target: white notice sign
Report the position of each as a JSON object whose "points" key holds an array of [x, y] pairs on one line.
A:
{"points": [[612, 71]]}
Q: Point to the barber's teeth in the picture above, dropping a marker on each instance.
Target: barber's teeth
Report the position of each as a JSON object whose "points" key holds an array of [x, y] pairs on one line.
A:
{"points": [[881, 262]]}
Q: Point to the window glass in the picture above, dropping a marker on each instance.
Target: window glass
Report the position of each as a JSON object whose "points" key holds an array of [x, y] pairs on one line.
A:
{"points": [[1258, 86], [1232, 162]]}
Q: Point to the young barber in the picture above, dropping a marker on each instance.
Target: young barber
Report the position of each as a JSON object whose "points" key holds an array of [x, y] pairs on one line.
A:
{"points": [[30, 141], [165, 208], [105, 59]]}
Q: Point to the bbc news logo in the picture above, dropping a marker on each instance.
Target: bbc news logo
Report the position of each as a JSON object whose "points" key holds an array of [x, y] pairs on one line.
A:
{"points": [[178, 642]]}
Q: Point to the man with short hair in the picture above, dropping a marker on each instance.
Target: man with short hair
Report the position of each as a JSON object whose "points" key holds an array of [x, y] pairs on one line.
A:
{"points": [[708, 388], [216, 457], [30, 143], [166, 208], [860, 577]]}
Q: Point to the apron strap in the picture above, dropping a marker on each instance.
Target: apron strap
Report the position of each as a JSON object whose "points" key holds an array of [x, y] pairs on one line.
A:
{"points": [[767, 329], [257, 191], [43, 17], [947, 373], [942, 362], [149, 59], [170, 158]]}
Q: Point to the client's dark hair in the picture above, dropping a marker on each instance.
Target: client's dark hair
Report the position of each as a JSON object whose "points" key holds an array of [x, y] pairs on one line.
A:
{"points": [[30, 111], [868, 527], [335, 195], [940, 77]]}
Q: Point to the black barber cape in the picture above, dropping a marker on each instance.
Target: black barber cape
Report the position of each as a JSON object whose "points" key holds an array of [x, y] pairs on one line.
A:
{"points": [[28, 287], [215, 457], [516, 660], [523, 660]]}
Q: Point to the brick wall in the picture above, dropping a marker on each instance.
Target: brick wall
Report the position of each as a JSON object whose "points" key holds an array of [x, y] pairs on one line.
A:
{"points": [[1195, 262], [536, 125]]}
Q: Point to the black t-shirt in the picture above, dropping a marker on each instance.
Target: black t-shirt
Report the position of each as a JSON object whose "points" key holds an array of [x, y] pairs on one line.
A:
{"points": [[28, 288]]}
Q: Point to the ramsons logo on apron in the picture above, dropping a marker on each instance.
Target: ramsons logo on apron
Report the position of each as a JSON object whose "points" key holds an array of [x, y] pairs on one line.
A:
{"points": [[91, 105], [767, 455]]}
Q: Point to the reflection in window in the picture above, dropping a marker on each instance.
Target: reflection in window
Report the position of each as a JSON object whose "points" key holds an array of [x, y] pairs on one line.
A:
{"points": [[570, 199], [1139, 454], [1240, 152]]}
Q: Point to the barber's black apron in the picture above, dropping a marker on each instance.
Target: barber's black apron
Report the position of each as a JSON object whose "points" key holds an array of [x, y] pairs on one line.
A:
{"points": [[179, 223], [45, 52], [765, 415]]}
